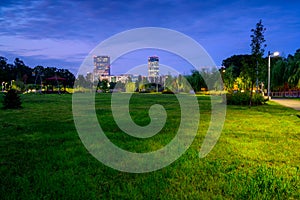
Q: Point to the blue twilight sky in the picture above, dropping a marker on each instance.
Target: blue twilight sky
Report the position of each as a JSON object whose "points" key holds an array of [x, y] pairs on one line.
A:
{"points": [[61, 33]]}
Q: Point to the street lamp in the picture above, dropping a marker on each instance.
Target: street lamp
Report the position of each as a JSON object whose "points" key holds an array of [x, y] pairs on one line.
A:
{"points": [[274, 54]]}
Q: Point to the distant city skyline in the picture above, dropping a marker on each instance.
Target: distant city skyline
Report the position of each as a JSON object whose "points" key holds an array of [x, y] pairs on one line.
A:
{"points": [[54, 34]]}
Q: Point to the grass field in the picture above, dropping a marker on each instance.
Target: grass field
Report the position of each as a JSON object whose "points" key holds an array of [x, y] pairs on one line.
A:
{"points": [[42, 157]]}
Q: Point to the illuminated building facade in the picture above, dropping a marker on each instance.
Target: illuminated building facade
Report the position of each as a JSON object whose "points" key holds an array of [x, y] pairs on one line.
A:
{"points": [[101, 67], [153, 68]]}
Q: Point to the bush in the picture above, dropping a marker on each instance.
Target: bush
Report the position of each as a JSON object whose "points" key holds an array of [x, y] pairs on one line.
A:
{"points": [[243, 98], [167, 91], [12, 100], [144, 91], [238, 98], [257, 99]]}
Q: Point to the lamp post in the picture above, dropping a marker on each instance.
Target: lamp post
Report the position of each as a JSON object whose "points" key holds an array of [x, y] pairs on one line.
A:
{"points": [[274, 54]]}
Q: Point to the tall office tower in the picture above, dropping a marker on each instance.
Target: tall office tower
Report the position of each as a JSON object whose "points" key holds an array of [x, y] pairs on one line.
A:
{"points": [[153, 68], [101, 67]]}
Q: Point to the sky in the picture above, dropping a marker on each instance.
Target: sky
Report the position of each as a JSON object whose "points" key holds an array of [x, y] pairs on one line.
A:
{"points": [[62, 33]]}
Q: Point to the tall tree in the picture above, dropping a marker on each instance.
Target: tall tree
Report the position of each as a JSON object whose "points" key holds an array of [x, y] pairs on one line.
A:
{"points": [[4, 70], [228, 78], [280, 74], [196, 79], [238, 66], [235, 62], [257, 49], [258, 40]]}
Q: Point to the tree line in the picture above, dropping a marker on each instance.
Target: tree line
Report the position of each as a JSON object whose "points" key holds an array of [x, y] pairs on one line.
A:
{"points": [[285, 72], [249, 71], [24, 76], [195, 81]]}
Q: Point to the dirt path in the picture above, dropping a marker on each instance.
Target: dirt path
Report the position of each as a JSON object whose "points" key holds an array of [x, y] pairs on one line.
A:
{"points": [[288, 103]]}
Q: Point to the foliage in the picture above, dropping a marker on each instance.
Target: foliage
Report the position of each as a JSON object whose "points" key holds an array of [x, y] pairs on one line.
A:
{"points": [[103, 85], [252, 67], [196, 81], [243, 98], [151, 87], [130, 87], [238, 67], [257, 99], [235, 62], [81, 81], [255, 63], [20, 72], [228, 78], [17, 71], [286, 72], [294, 69], [245, 69], [238, 98], [248, 68], [258, 40], [167, 91], [12, 100], [140, 83], [53, 71], [279, 74], [120, 86]]}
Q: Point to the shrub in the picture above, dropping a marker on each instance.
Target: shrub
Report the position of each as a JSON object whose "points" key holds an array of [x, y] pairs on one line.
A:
{"points": [[238, 98], [167, 91], [243, 98], [12, 100], [257, 99], [144, 91]]}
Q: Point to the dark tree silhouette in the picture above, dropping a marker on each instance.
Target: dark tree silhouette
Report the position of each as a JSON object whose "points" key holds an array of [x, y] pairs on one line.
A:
{"points": [[257, 49], [12, 100], [196, 80]]}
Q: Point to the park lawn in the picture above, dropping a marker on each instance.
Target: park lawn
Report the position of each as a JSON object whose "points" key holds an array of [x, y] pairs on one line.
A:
{"points": [[42, 157]]}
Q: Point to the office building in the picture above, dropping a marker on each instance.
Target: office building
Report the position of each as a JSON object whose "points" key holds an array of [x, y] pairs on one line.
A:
{"points": [[101, 67], [153, 68]]}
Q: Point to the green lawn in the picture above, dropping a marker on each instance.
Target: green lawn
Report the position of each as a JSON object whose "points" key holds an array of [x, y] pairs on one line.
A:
{"points": [[42, 157]]}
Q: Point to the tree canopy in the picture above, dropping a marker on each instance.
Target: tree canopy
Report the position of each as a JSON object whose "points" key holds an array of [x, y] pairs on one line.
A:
{"points": [[23, 74], [285, 72]]}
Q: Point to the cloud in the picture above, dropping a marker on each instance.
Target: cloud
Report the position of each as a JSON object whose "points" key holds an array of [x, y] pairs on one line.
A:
{"points": [[67, 30], [68, 50]]}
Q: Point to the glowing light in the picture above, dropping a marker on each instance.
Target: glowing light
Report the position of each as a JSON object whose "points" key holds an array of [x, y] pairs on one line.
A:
{"points": [[276, 53]]}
